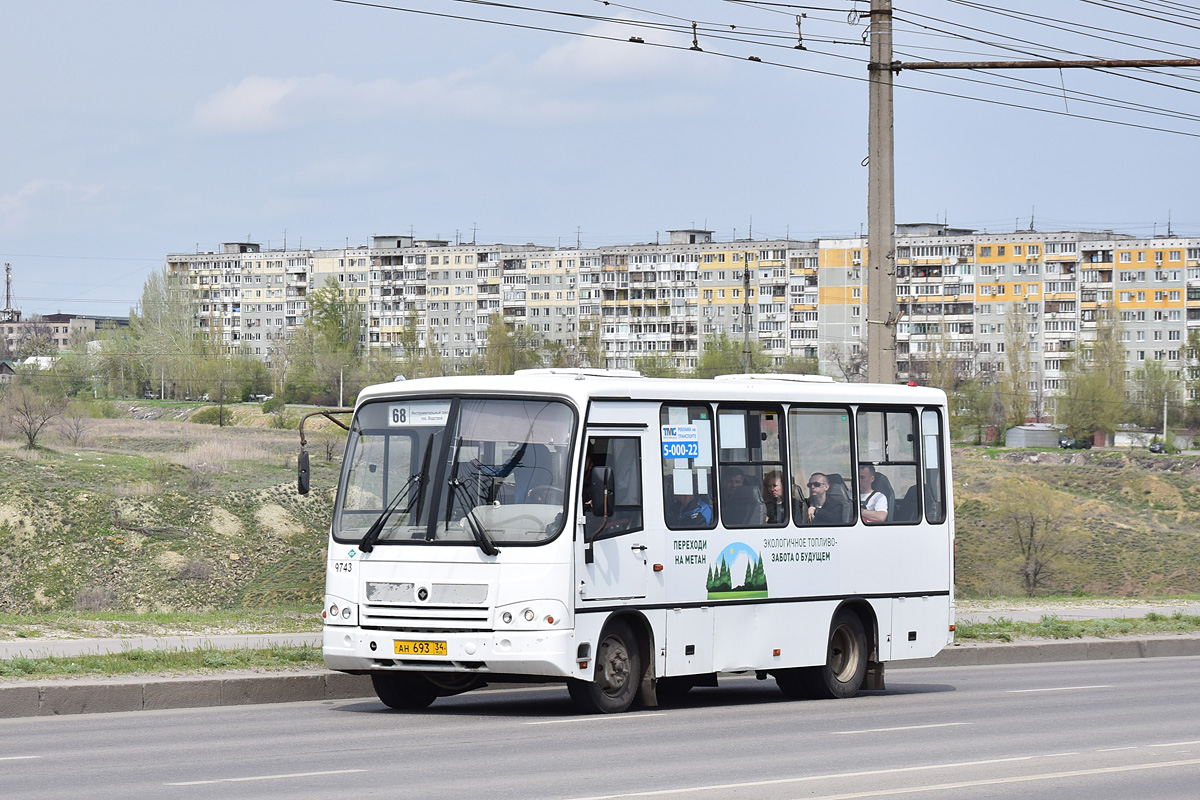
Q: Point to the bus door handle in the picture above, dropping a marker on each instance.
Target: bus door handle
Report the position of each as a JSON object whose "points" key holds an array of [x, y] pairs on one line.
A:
{"points": [[638, 548]]}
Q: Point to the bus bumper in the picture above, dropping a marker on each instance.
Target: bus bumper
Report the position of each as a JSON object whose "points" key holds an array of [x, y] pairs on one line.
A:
{"points": [[536, 653]]}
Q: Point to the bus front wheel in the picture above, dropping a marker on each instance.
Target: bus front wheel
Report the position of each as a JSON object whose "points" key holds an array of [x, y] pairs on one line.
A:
{"points": [[845, 662], [403, 690], [617, 676]]}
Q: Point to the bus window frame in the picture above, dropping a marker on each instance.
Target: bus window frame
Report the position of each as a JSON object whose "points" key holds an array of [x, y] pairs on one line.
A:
{"points": [[850, 479], [780, 410], [914, 411], [708, 407], [942, 441]]}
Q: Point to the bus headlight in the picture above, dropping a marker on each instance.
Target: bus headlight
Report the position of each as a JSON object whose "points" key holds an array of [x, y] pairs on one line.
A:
{"points": [[535, 615], [339, 612]]}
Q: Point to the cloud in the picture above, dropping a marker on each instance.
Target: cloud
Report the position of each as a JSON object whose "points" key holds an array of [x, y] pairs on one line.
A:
{"points": [[562, 85], [620, 61], [258, 104], [41, 199], [254, 104]]}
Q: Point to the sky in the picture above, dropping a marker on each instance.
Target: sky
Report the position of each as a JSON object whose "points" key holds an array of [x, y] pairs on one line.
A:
{"points": [[136, 128]]}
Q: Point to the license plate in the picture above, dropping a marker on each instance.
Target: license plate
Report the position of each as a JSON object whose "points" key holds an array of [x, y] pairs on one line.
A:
{"points": [[404, 648]]}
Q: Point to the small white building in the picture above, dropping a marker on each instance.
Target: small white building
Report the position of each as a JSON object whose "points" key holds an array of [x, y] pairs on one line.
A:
{"points": [[1034, 434]]}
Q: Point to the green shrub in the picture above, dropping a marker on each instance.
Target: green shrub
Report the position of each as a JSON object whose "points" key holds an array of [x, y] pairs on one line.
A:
{"points": [[275, 405], [211, 416]]}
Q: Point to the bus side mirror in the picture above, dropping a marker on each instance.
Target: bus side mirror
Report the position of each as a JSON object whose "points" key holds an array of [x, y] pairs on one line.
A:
{"points": [[302, 472]]}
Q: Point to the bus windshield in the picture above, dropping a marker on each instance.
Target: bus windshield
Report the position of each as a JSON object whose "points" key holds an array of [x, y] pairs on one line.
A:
{"points": [[473, 471]]}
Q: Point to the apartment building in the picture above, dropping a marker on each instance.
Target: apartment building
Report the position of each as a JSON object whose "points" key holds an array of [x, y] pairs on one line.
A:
{"points": [[960, 294]]}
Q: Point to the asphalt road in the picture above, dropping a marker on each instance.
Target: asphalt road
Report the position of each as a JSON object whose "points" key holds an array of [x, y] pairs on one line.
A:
{"points": [[1106, 729]]}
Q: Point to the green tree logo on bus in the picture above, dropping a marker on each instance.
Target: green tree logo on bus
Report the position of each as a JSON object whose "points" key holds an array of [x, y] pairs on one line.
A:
{"points": [[737, 559]]}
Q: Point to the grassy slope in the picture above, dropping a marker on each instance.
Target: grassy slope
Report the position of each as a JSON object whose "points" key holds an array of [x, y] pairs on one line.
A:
{"points": [[158, 514], [1137, 531], [161, 515]]}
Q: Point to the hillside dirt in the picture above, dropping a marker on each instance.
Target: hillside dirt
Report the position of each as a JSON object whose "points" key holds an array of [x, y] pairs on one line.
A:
{"points": [[151, 512]]}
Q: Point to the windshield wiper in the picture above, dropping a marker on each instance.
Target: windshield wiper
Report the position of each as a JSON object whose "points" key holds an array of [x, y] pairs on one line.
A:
{"points": [[482, 537], [367, 543]]}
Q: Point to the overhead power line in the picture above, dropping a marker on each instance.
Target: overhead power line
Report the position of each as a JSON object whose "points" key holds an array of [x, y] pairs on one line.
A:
{"points": [[714, 53]]}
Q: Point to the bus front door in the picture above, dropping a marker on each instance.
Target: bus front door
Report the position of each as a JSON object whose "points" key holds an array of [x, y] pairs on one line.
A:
{"points": [[611, 545]]}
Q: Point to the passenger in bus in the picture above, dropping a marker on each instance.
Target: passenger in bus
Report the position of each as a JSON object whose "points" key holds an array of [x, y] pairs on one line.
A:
{"points": [[873, 504], [824, 507], [741, 504], [690, 511], [774, 498]]}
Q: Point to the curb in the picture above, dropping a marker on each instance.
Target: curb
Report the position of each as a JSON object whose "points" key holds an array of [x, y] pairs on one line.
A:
{"points": [[973, 655], [54, 698]]}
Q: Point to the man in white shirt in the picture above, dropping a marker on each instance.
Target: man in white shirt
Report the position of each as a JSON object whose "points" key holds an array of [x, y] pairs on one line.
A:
{"points": [[873, 505]]}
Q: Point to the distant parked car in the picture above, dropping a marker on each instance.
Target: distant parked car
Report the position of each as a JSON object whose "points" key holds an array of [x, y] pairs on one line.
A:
{"points": [[1158, 447], [1081, 444], [1065, 442]]}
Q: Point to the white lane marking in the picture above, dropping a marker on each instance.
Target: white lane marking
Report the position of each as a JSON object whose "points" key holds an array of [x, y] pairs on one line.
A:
{"points": [[1057, 689], [809, 778], [1115, 749], [1173, 744], [1046, 776], [904, 728], [613, 717], [16, 758], [266, 777]]}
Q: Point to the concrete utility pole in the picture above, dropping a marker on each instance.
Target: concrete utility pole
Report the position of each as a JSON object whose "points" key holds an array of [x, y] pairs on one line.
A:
{"points": [[881, 203], [746, 315]]}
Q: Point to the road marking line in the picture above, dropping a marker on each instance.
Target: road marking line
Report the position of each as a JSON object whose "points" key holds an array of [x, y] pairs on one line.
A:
{"points": [[1115, 749], [596, 718], [809, 778], [16, 758], [266, 777], [1057, 689], [1173, 744], [1046, 776], [904, 728]]}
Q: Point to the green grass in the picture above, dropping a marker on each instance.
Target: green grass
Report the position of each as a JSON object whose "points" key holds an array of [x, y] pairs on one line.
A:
{"points": [[1002, 629], [161, 662]]}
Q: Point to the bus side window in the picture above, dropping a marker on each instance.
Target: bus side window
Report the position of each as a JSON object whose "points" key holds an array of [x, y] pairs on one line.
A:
{"points": [[623, 456], [750, 466], [687, 473], [819, 453], [935, 487], [887, 466]]}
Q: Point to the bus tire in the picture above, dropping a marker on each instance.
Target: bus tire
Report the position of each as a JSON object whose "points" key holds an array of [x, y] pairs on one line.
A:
{"points": [[845, 661], [407, 691], [617, 676]]}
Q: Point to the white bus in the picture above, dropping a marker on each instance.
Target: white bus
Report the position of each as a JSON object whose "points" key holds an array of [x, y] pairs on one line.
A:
{"points": [[634, 537]]}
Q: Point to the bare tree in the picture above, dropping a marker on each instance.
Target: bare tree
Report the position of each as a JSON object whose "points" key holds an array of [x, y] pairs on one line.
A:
{"points": [[1041, 522], [75, 425], [31, 412], [851, 364], [34, 338]]}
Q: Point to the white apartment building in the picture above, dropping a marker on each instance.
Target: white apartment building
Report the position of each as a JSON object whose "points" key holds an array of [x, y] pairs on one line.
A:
{"points": [[958, 292]]}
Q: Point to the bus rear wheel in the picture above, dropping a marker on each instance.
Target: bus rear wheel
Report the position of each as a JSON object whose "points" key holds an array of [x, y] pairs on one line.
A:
{"points": [[618, 673], [407, 691], [845, 661]]}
